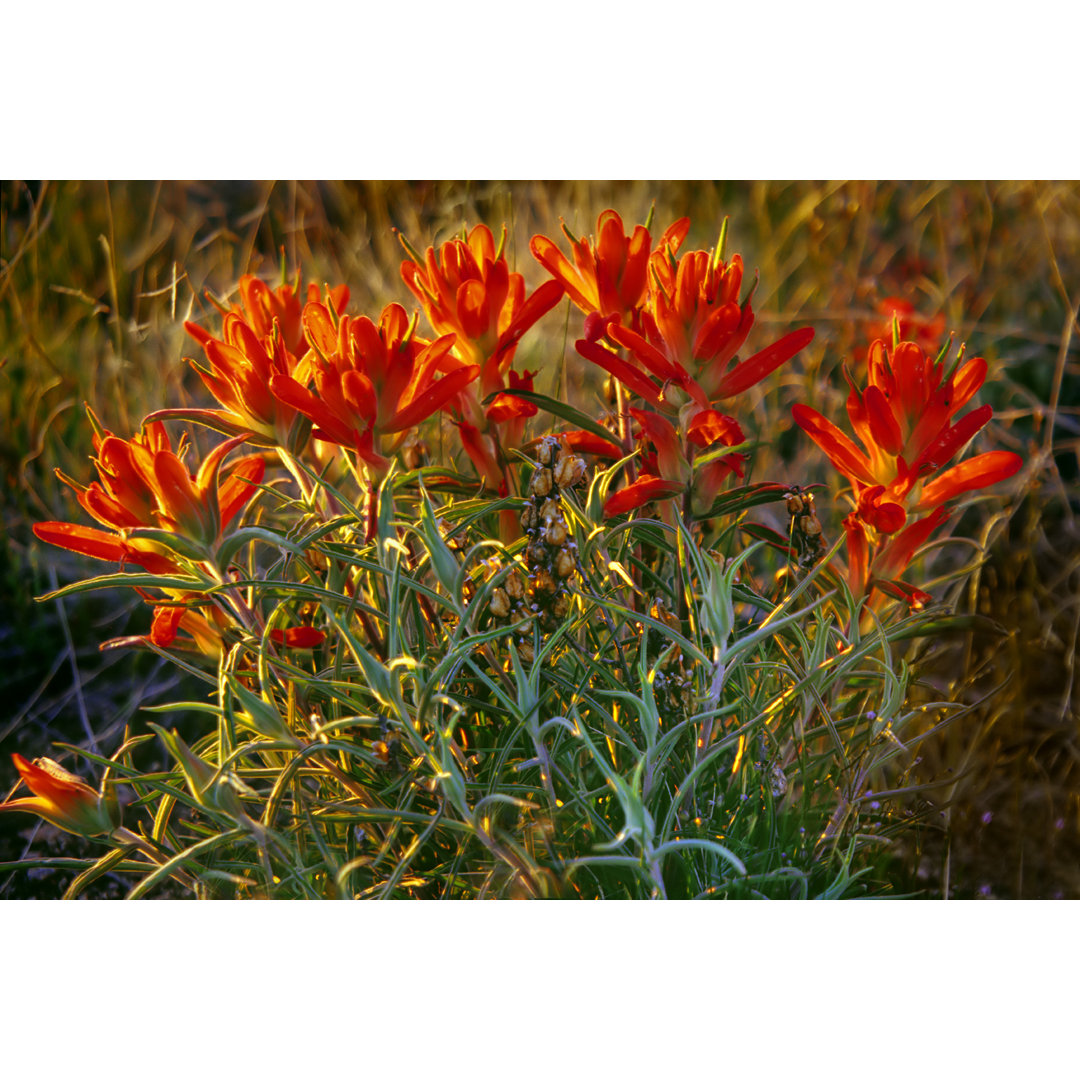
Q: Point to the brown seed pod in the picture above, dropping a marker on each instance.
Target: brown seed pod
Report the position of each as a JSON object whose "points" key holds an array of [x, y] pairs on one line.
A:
{"points": [[565, 563], [529, 517], [536, 554], [541, 482], [543, 582], [569, 470], [500, 603], [811, 526], [550, 511], [560, 607], [555, 534], [515, 587], [545, 451]]}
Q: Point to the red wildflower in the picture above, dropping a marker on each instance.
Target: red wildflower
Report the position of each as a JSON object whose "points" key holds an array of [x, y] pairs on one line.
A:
{"points": [[692, 329], [667, 471], [261, 307], [298, 637], [610, 275], [485, 454], [925, 331], [262, 338], [373, 382], [645, 489], [144, 484], [904, 421], [509, 413], [60, 798], [205, 626], [468, 290]]}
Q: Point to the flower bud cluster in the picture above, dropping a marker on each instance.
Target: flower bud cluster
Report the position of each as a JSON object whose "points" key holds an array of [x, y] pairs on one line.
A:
{"points": [[551, 554]]}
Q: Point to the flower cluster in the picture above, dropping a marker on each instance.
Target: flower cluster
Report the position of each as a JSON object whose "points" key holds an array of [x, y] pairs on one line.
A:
{"points": [[262, 337], [904, 418], [146, 497], [469, 294], [372, 382], [669, 330], [609, 277]]}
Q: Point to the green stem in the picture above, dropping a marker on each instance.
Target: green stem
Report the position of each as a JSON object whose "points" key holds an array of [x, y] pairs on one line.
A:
{"points": [[128, 838]]}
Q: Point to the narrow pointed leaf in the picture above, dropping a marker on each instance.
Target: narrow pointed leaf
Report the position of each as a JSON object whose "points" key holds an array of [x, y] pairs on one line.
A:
{"points": [[560, 409]]}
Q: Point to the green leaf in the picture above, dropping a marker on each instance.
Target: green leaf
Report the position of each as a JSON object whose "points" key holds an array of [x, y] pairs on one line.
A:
{"points": [[177, 861], [598, 489], [443, 560], [133, 581], [181, 545], [562, 410], [743, 498], [214, 419], [683, 842], [261, 715], [723, 451], [232, 543], [106, 863]]}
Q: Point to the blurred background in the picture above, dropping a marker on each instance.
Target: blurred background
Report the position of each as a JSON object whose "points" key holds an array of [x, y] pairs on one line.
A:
{"points": [[97, 278]]}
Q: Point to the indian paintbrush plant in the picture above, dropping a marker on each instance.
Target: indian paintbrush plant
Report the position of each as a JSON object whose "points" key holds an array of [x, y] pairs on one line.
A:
{"points": [[564, 659]]}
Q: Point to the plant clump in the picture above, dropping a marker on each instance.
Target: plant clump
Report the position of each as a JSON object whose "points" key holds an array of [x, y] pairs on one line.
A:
{"points": [[462, 673]]}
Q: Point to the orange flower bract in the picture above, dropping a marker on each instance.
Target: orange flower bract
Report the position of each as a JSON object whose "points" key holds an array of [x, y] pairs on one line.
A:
{"points": [[143, 484], [693, 327], [261, 307], [668, 472], [468, 290], [373, 382], [904, 419], [261, 338], [609, 275], [60, 798]]}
